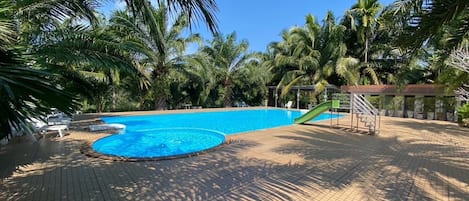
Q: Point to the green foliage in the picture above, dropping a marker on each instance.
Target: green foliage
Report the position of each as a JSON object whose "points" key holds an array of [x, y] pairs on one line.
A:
{"points": [[227, 60], [27, 90], [375, 100], [363, 19], [308, 55], [429, 104], [463, 111], [194, 9]]}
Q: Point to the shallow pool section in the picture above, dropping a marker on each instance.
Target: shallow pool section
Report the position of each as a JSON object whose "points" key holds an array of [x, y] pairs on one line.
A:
{"points": [[228, 122], [182, 134], [159, 143]]}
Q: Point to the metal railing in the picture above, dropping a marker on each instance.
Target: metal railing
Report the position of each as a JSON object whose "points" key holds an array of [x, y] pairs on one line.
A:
{"points": [[366, 112]]}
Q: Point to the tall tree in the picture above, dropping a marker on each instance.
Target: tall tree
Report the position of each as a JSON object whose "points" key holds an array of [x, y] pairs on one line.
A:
{"points": [[133, 30], [193, 9], [426, 19], [436, 27], [227, 57], [313, 51], [363, 17], [26, 91]]}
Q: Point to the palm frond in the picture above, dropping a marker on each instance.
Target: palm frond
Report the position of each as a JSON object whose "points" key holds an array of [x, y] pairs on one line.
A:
{"points": [[26, 93]]}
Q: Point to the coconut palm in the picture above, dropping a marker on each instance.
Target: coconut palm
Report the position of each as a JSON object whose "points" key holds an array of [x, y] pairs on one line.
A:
{"points": [[226, 57], [281, 58], [158, 53], [249, 84], [363, 18], [424, 20], [193, 9], [199, 79], [28, 92], [313, 51], [87, 56]]}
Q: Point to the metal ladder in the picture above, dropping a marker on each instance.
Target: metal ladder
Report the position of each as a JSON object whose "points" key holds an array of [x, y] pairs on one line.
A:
{"points": [[366, 113]]}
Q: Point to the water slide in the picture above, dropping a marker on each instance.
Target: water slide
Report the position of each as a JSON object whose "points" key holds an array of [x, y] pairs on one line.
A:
{"points": [[314, 112]]}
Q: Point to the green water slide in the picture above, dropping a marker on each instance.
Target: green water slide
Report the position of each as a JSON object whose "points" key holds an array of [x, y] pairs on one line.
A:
{"points": [[314, 112]]}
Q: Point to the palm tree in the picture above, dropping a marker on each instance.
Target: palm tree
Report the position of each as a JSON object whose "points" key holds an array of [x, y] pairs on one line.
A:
{"points": [[158, 53], [199, 79], [281, 58], [28, 92], [363, 15], [249, 84], [226, 57], [430, 30], [87, 56], [424, 20], [313, 51], [193, 9]]}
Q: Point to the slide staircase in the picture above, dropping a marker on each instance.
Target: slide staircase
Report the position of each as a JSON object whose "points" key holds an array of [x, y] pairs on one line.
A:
{"points": [[366, 112]]}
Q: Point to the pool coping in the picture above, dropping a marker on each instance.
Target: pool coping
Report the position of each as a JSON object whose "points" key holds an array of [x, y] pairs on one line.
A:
{"points": [[87, 149]]}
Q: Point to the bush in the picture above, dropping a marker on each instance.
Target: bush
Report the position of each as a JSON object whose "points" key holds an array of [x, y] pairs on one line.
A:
{"points": [[463, 113]]}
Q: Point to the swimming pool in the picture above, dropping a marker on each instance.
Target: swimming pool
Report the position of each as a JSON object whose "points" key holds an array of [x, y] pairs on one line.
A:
{"points": [[161, 134]]}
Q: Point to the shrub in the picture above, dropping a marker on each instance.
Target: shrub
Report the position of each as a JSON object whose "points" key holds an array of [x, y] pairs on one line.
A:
{"points": [[463, 113]]}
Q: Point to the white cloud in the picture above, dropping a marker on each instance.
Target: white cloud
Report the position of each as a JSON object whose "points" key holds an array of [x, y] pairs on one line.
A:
{"points": [[119, 5]]}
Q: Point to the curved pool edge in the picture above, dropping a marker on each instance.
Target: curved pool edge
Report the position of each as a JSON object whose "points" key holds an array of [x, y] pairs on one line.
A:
{"points": [[88, 150]]}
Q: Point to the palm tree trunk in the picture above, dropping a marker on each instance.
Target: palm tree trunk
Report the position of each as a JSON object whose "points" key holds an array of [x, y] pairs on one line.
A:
{"points": [[160, 103], [142, 103], [227, 98], [99, 104], [366, 50], [114, 99]]}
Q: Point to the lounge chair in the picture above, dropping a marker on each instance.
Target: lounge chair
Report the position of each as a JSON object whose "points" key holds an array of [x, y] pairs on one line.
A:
{"points": [[34, 125], [58, 119], [289, 104], [58, 128]]}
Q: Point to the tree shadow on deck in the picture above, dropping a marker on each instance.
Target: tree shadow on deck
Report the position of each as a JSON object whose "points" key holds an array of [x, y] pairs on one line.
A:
{"points": [[383, 168], [387, 167]]}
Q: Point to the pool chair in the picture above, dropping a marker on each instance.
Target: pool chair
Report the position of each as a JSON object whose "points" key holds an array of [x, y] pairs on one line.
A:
{"points": [[289, 104], [58, 119], [59, 126]]}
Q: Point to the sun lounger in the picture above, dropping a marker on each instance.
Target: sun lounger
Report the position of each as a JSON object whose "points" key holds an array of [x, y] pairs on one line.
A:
{"points": [[58, 128], [58, 119], [58, 125]]}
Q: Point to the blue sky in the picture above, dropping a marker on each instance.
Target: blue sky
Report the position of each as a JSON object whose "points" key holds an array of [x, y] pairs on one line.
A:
{"points": [[262, 21]]}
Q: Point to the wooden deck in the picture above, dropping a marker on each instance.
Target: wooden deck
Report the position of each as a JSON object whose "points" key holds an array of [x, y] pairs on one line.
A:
{"points": [[409, 160]]}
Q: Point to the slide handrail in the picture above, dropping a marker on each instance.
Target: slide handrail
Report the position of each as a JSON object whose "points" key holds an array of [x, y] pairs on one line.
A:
{"points": [[364, 107]]}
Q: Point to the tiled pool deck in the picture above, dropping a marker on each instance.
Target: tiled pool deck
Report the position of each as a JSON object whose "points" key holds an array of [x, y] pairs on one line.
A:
{"points": [[409, 160]]}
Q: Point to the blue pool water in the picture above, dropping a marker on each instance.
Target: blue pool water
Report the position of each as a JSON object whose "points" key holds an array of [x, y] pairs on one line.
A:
{"points": [[180, 134], [159, 143]]}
